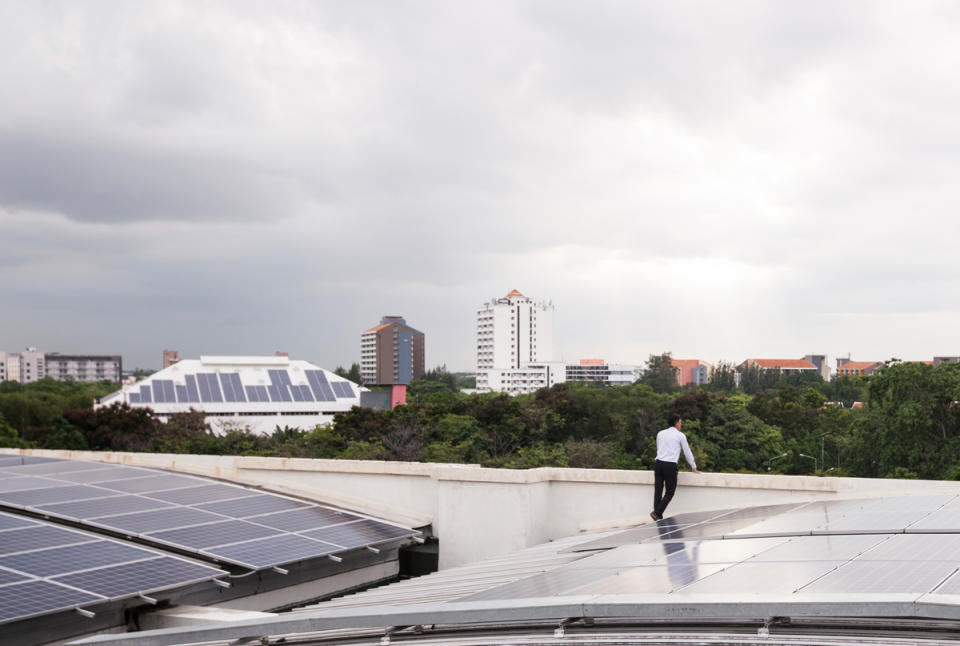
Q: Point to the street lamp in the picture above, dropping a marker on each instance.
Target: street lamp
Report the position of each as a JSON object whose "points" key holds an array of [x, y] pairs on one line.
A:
{"points": [[809, 457], [770, 461], [821, 447]]}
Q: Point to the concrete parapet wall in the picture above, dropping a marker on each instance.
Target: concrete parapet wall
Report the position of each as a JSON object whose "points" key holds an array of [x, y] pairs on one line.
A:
{"points": [[478, 512]]}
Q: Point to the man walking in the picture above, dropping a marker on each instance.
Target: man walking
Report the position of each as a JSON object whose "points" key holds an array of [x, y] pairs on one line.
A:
{"points": [[670, 442]]}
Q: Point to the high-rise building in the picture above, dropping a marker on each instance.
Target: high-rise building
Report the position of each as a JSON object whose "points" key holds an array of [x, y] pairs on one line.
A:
{"points": [[513, 333], [392, 353]]}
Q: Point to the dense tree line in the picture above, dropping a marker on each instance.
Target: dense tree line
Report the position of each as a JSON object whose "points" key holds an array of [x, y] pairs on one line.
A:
{"points": [[908, 427]]}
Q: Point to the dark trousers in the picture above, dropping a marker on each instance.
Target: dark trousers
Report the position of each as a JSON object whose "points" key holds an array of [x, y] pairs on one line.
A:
{"points": [[664, 473]]}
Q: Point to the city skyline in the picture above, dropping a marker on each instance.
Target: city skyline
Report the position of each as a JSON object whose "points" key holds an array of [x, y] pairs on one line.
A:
{"points": [[718, 181]]}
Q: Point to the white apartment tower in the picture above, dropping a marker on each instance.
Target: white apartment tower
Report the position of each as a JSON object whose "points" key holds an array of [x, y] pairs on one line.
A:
{"points": [[512, 333]]}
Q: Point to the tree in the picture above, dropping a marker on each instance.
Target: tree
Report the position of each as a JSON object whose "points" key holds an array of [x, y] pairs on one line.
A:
{"points": [[660, 373], [723, 378]]}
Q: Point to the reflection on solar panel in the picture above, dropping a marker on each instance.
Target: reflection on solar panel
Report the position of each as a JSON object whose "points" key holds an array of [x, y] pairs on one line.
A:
{"points": [[79, 569], [229, 523]]}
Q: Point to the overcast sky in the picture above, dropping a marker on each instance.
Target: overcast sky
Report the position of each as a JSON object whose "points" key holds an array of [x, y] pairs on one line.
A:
{"points": [[717, 179]]}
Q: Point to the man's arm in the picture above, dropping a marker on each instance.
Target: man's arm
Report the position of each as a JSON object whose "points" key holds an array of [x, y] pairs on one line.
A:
{"points": [[688, 454]]}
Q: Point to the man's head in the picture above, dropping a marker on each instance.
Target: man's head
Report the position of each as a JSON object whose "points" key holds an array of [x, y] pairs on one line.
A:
{"points": [[674, 420]]}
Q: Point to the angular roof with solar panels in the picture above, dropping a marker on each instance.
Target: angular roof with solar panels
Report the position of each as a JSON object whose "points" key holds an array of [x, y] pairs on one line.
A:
{"points": [[827, 572], [80, 542], [261, 392]]}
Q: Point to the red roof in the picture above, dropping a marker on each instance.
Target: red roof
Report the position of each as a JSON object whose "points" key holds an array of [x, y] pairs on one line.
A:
{"points": [[789, 364], [379, 327], [591, 362], [684, 363], [515, 294], [858, 365]]}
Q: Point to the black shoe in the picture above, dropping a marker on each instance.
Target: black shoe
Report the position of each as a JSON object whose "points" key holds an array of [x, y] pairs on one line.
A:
{"points": [[654, 515]]}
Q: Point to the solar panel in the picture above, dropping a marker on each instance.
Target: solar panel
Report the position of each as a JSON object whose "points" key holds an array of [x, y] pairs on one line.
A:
{"points": [[151, 521], [8, 522], [32, 498], [57, 560], [53, 467], [181, 393], [20, 600], [26, 483], [547, 584], [135, 398], [189, 513], [163, 391], [83, 509], [252, 394], [776, 578], [151, 483], [820, 548], [132, 578], [145, 395], [951, 586], [318, 383], [865, 577], [276, 550], [232, 387], [357, 533], [219, 533], [252, 506], [279, 380], [202, 493], [32, 538], [303, 519], [11, 577], [915, 547], [193, 394]]}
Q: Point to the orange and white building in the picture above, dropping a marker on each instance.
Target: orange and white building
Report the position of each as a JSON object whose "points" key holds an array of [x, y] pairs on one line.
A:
{"points": [[692, 371], [783, 365]]}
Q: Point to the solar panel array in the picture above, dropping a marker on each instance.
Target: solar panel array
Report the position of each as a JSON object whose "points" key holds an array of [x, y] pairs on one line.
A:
{"points": [[218, 387], [45, 569], [882, 546], [228, 523]]}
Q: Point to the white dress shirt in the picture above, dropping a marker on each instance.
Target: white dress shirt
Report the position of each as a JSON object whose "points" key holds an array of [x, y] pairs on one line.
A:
{"points": [[670, 441]]}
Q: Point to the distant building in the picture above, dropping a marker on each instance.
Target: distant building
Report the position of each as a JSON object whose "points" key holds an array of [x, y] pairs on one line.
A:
{"points": [[783, 365], [392, 353], [32, 365], [848, 368], [600, 372], [83, 367], [692, 371], [261, 393], [938, 360], [820, 361], [514, 333]]}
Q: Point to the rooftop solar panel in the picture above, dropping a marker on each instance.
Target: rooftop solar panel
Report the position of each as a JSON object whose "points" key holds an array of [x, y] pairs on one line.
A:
{"points": [[252, 506], [106, 473], [777, 578], [145, 397], [26, 483], [54, 494], [915, 547], [20, 600], [219, 533], [11, 577], [201, 493], [299, 520], [193, 393], [182, 393], [161, 519], [60, 560], [8, 521], [820, 548], [865, 577], [276, 550], [33, 538], [129, 579], [52, 466], [357, 533], [151, 483]]}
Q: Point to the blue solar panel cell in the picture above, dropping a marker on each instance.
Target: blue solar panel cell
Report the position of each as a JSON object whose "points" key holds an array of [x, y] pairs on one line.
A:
{"points": [[34, 538], [143, 576], [321, 389], [61, 560], [134, 398], [252, 394], [262, 393], [193, 394], [237, 387], [145, 397], [31, 598], [182, 396]]}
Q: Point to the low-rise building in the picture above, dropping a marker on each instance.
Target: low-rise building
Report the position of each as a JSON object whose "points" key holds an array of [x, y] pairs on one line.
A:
{"points": [[692, 371], [260, 393], [600, 372], [787, 366], [32, 365], [848, 368]]}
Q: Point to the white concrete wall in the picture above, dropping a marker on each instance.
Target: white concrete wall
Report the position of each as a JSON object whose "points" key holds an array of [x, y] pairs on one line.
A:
{"points": [[479, 513]]}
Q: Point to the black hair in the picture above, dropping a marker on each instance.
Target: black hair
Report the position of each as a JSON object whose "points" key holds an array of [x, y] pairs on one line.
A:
{"points": [[673, 419]]}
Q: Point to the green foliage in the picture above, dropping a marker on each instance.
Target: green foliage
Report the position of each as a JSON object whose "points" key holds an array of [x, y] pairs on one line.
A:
{"points": [[9, 438], [353, 374], [660, 373]]}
